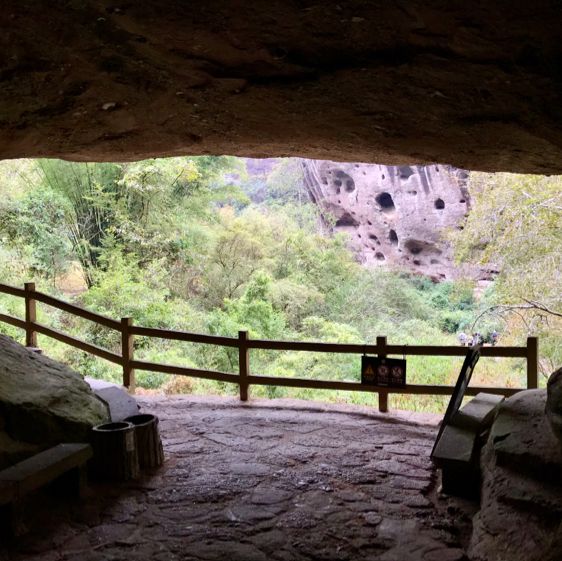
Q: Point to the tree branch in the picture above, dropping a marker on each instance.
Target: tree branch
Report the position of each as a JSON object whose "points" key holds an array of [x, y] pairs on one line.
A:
{"points": [[530, 305]]}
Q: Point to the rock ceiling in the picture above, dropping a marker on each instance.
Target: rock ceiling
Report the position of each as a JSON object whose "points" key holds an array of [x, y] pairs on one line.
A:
{"points": [[477, 85]]}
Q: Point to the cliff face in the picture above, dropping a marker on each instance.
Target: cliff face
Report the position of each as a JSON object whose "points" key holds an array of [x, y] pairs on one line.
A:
{"points": [[394, 215]]}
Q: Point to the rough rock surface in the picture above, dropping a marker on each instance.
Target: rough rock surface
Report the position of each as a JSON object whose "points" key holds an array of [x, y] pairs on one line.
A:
{"points": [[42, 402], [554, 403], [521, 507], [264, 481], [394, 215], [476, 85]]}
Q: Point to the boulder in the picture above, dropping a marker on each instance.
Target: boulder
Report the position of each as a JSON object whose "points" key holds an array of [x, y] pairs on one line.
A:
{"points": [[521, 499], [554, 403], [42, 402]]}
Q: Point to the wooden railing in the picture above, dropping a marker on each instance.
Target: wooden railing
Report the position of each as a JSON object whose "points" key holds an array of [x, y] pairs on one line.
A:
{"points": [[244, 378]]}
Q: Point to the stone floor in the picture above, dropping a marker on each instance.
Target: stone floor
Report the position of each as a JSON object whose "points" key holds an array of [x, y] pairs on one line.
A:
{"points": [[271, 480]]}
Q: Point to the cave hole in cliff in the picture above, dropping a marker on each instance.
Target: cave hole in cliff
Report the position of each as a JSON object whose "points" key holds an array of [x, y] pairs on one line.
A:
{"points": [[342, 179], [385, 201], [405, 171], [380, 256], [346, 220], [414, 247], [373, 237], [439, 204], [393, 237]]}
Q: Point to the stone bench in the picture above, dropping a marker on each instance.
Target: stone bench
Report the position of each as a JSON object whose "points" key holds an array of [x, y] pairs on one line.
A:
{"points": [[23, 478], [457, 451]]}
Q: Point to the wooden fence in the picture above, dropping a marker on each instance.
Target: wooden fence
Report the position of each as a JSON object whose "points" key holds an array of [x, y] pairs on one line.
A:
{"points": [[244, 378]]}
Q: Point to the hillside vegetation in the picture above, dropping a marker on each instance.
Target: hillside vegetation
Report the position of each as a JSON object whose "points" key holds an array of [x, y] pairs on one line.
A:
{"points": [[187, 243]]}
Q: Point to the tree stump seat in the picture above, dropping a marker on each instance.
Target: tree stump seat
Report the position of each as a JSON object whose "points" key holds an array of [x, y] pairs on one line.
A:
{"points": [[23, 478]]}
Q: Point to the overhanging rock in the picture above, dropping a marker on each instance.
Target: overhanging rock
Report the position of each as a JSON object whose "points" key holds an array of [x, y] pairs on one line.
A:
{"points": [[476, 85]]}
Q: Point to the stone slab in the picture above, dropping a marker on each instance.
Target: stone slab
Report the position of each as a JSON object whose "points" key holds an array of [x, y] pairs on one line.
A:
{"points": [[455, 445], [479, 413], [121, 404], [33, 473]]}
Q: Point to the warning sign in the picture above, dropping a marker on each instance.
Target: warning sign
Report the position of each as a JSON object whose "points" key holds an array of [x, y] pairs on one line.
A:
{"points": [[377, 371], [369, 365]]}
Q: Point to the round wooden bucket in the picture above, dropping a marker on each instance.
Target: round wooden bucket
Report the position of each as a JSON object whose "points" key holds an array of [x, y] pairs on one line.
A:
{"points": [[115, 451], [148, 442]]}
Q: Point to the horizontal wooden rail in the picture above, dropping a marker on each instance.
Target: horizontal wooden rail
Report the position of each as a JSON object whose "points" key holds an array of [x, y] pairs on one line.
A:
{"points": [[244, 344], [415, 389], [12, 290], [77, 343], [16, 322], [77, 311], [185, 336], [354, 348], [185, 371]]}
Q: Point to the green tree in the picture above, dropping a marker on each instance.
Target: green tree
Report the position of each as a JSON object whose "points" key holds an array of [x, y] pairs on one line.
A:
{"points": [[515, 227]]}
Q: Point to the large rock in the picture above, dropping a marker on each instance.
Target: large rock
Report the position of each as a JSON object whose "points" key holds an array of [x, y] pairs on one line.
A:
{"points": [[42, 402], [393, 215], [521, 503], [474, 84], [554, 403]]}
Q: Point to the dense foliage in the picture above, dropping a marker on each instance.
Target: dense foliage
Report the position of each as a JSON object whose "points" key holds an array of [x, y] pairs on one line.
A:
{"points": [[515, 227], [195, 244]]}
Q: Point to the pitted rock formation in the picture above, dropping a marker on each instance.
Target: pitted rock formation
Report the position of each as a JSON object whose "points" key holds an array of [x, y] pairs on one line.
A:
{"points": [[474, 84], [393, 215]]}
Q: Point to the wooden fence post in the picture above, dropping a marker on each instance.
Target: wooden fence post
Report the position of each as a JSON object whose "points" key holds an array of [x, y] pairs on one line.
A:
{"points": [[532, 362], [30, 315], [383, 395], [127, 353], [244, 364]]}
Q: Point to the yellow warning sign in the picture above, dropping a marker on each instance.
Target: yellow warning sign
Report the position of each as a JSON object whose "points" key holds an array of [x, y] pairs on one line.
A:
{"points": [[369, 371]]}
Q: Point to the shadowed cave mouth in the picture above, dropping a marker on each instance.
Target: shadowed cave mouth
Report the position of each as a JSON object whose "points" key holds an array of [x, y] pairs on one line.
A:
{"points": [[404, 172], [344, 180], [385, 201], [346, 220]]}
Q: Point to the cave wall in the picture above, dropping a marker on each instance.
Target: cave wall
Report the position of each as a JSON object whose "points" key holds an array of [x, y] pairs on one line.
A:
{"points": [[477, 85], [393, 215]]}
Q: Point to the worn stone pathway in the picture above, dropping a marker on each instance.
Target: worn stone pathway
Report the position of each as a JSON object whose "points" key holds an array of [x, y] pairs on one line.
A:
{"points": [[265, 481]]}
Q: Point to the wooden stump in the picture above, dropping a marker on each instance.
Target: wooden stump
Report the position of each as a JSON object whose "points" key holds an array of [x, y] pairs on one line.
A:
{"points": [[148, 442], [115, 451]]}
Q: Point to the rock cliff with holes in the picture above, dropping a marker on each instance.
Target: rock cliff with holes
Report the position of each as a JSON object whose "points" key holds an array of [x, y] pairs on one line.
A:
{"points": [[393, 215]]}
